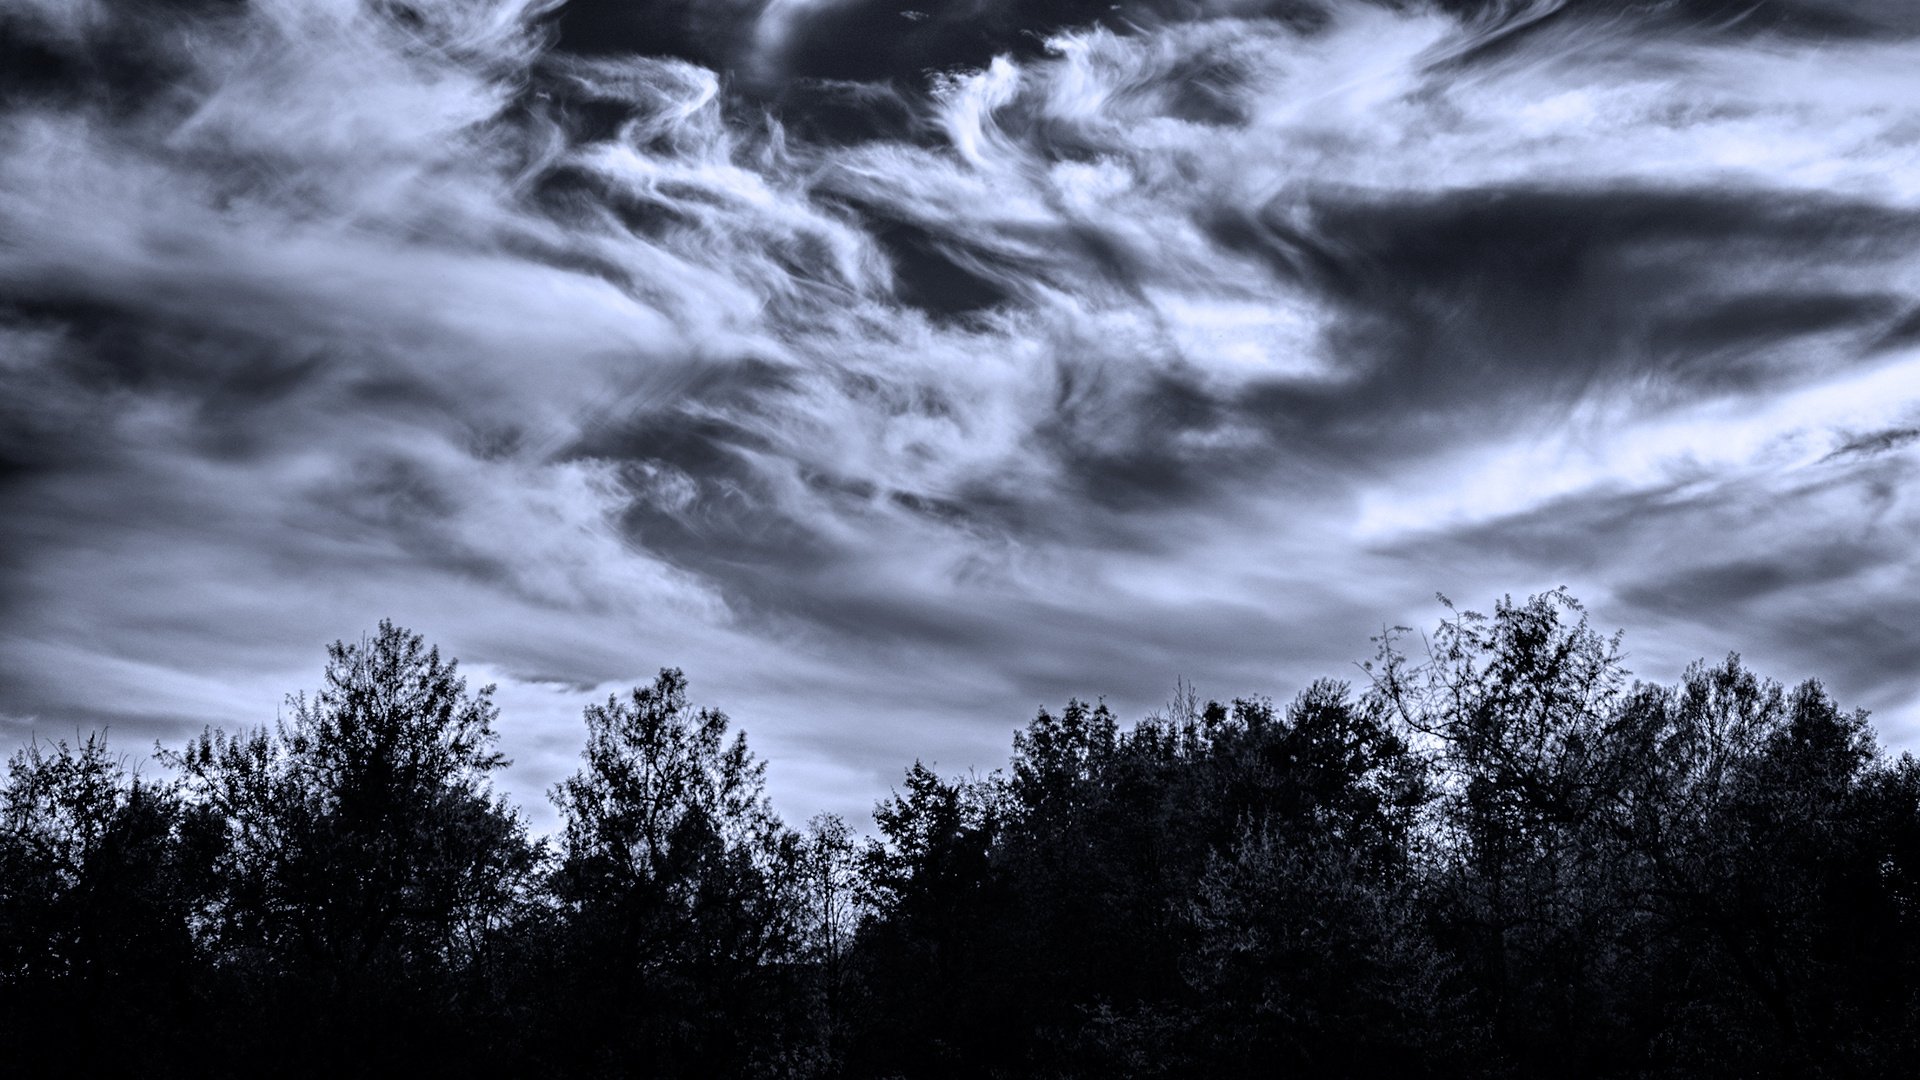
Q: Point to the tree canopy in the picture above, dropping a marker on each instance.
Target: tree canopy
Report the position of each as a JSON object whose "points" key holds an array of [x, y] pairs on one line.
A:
{"points": [[1498, 855]]}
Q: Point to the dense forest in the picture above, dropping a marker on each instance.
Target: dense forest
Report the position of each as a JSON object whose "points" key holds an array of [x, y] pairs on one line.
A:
{"points": [[1493, 855]]}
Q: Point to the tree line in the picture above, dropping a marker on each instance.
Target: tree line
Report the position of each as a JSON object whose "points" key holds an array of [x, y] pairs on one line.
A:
{"points": [[1496, 856]]}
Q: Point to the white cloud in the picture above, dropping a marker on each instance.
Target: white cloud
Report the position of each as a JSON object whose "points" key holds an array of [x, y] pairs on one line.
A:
{"points": [[366, 319]]}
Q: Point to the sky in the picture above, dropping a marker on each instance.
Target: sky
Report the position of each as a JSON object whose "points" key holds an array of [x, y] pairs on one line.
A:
{"points": [[898, 370]]}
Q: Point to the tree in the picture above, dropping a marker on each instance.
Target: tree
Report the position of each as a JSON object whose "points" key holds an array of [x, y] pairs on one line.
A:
{"points": [[679, 886], [97, 884], [1784, 861], [1513, 711], [829, 881], [830, 867], [1499, 859], [366, 864], [1305, 950], [934, 1002]]}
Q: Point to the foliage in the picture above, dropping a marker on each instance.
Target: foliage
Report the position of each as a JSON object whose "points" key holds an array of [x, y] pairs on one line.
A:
{"points": [[1500, 856], [677, 886], [363, 867]]}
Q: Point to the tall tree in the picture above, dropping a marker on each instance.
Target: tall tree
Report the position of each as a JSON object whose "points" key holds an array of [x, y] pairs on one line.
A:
{"points": [[366, 863], [679, 886], [934, 1002], [832, 910], [1510, 710]]}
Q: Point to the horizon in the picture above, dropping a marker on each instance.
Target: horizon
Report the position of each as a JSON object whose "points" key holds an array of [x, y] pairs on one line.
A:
{"points": [[896, 373], [537, 806]]}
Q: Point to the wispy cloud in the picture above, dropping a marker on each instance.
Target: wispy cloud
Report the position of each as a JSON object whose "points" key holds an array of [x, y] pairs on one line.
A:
{"points": [[896, 375]]}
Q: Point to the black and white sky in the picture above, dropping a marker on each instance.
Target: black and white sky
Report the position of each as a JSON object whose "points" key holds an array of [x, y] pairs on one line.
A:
{"points": [[896, 368]]}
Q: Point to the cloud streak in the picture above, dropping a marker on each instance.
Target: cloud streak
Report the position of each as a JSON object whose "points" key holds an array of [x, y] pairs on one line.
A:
{"points": [[895, 375]]}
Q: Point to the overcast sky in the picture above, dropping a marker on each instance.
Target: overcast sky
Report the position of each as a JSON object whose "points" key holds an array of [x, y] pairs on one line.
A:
{"points": [[898, 368]]}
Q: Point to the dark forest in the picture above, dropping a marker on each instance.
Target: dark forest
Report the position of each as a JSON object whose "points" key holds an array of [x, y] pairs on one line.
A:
{"points": [[1491, 854]]}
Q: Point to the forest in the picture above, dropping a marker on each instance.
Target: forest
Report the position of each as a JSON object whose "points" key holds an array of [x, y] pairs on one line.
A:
{"points": [[1493, 853]]}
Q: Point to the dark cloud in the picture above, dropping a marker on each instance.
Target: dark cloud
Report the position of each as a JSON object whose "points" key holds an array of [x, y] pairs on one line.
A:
{"points": [[1485, 302], [1752, 580], [869, 40], [133, 732], [125, 57], [879, 40], [705, 33], [1876, 442], [1792, 18], [833, 112], [1482, 288], [1903, 333], [1764, 317], [941, 278]]}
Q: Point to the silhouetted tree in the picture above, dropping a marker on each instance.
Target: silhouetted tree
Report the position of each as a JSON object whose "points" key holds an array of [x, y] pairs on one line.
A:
{"points": [[679, 889], [833, 909], [1509, 709], [930, 1003], [366, 865], [1310, 953], [1503, 858], [1782, 872], [98, 878]]}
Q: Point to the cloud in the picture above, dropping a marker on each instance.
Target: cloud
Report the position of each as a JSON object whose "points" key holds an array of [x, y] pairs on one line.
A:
{"points": [[1876, 442], [896, 391]]}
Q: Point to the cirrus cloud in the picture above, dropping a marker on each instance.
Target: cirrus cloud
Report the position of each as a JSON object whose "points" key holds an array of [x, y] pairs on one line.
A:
{"points": [[895, 390]]}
